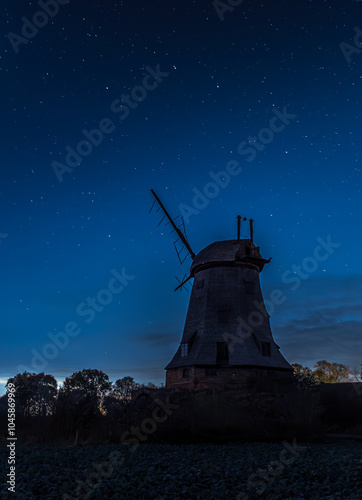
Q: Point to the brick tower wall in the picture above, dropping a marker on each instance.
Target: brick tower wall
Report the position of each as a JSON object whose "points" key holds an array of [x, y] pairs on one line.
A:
{"points": [[228, 378]]}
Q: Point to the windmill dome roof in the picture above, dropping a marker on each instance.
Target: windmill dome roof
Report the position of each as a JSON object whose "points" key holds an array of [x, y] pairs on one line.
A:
{"points": [[224, 251]]}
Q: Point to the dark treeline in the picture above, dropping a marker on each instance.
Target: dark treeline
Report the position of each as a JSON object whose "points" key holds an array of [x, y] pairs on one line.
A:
{"points": [[89, 408], [86, 402], [39, 394]]}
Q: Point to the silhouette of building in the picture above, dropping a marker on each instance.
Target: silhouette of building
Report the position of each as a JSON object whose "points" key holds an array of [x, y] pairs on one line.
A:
{"points": [[227, 340]]}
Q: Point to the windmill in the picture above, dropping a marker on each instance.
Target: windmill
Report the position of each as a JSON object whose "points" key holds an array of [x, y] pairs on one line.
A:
{"points": [[227, 340]]}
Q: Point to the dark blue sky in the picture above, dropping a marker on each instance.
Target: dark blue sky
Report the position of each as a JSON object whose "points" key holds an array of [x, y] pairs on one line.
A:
{"points": [[214, 86]]}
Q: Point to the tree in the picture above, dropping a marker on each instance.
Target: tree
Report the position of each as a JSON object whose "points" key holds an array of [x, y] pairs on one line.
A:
{"points": [[330, 373], [124, 387], [304, 377], [150, 385], [3, 412], [35, 393], [80, 401], [86, 388], [356, 374], [326, 373], [92, 383], [302, 370]]}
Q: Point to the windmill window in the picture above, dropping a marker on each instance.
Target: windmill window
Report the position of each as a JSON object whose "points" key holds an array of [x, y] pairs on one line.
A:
{"points": [[223, 315], [185, 373], [191, 341], [222, 352], [265, 348], [210, 372], [184, 349], [247, 250]]}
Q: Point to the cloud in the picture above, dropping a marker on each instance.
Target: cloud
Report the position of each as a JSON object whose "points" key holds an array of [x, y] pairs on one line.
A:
{"points": [[321, 299], [336, 343], [157, 339], [321, 320]]}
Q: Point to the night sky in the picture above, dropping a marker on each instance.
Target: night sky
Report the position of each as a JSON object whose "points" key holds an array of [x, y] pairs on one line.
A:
{"points": [[179, 92]]}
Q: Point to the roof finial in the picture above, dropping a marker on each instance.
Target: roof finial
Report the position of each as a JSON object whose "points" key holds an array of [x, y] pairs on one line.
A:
{"points": [[251, 227], [239, 222]]}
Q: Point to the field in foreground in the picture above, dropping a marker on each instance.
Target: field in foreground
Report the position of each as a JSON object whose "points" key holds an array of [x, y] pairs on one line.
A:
{"points": [[203, 471]]}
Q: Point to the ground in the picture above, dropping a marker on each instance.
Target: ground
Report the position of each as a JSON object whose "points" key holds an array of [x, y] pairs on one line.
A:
{"points": [[192, 471]]}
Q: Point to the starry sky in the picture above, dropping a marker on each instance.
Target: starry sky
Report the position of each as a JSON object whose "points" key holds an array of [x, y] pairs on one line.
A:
{"points": [[102, 101]]}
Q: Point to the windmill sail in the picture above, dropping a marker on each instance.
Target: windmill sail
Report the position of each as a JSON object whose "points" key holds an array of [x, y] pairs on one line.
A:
{"points": [[179, 229]]}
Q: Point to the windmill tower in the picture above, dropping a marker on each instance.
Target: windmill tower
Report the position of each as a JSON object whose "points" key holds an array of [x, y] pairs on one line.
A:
{"points": [[227, 340]]}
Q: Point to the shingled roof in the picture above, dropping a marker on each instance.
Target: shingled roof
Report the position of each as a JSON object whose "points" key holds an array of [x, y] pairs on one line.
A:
{"points": [[228, 251]]}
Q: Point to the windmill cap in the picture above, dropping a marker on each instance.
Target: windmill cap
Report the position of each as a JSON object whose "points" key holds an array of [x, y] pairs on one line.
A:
{"points": [[229, 251]]}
